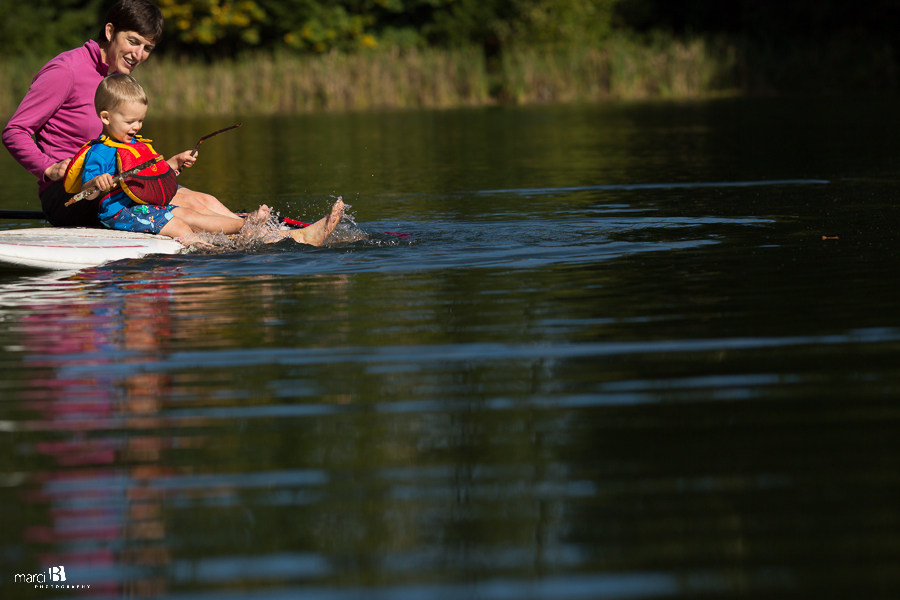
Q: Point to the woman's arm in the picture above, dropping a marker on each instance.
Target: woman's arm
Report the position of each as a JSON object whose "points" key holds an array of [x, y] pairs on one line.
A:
{"points": [[50, 88]]}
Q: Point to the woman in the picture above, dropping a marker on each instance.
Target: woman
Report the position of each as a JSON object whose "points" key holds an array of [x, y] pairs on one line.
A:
{"points": [[57, 115]]}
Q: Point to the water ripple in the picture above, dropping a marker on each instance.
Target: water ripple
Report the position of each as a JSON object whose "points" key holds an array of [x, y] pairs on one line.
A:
{"points": [[444, 353], [653, 186]]}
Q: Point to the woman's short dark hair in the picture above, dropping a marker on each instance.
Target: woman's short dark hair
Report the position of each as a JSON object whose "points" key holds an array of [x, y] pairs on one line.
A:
{"points": [[140, 16]]}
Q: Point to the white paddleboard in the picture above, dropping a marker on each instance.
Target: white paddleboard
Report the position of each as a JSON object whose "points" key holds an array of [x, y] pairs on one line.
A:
{"points": [[69, 249]]}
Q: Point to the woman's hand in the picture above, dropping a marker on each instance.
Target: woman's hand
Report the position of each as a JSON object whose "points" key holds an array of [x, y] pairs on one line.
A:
{"points": [[56, 171]]}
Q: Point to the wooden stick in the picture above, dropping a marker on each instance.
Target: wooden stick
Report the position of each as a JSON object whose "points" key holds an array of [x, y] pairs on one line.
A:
{"points": [[206, 137], [117, 179]]}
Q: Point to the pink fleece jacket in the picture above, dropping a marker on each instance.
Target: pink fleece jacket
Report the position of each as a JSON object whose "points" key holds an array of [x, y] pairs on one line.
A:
{"points": [[58, 110]]}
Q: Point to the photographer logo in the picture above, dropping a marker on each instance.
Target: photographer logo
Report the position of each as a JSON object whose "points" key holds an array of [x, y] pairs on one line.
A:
{"points": [[53, 578]]}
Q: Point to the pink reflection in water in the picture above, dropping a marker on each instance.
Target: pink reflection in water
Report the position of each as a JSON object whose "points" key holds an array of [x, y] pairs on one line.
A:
{"points": [[102, 512]]}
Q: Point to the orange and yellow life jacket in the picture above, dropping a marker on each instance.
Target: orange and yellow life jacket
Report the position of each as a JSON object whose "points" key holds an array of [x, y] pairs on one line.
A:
{"points": [[155, 184]]}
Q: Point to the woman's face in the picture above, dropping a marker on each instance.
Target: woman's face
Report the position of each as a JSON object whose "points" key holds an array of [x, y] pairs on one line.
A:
{"points": [[126, 50]]}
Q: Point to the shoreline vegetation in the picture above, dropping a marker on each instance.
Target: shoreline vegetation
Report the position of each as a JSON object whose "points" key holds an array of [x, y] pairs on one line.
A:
{"points": [[622, 68], [281, 82]]}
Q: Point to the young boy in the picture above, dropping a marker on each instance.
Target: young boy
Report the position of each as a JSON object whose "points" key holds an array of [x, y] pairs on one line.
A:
{"points": [[141, 203]]}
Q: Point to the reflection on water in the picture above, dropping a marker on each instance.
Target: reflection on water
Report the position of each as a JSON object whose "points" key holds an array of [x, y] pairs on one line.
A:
{"points": [[570, 382], [103, 517]]}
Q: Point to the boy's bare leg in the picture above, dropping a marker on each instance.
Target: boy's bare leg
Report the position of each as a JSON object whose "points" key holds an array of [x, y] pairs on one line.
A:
{"points": [[201, 203], [179, 230], [208, 223], [316, 233], [205, 204]]}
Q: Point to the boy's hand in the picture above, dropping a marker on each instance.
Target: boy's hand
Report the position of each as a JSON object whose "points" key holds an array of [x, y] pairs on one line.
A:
{"points": [[104, 181], [182, 161]]}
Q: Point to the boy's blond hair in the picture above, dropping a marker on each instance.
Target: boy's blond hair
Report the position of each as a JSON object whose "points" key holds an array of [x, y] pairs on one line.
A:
{"points": [[117, 89]]}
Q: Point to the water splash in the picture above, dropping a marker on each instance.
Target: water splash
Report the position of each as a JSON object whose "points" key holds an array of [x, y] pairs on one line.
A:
{"points": [[256, 235], [347, 231]]}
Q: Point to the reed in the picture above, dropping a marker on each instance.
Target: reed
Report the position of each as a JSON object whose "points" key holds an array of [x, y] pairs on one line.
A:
{"points": [[283, 83], [620, 69]]}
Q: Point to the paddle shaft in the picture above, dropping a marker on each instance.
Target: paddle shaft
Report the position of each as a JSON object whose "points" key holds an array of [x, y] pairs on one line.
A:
{"points": [[22, 214]]}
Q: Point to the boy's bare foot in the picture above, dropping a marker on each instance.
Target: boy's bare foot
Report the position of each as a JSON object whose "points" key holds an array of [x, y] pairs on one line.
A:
{"points": [[258, 216], [318, 232], [194, 240]]}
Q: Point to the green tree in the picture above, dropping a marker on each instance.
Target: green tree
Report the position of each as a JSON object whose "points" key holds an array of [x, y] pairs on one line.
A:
{"points": [[318, 25], [562, 21], [499, 23], [43, 28], [321, 25], [225, 25]]}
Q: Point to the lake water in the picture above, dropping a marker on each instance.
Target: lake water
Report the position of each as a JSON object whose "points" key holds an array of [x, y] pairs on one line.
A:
{"points": [[625, 351]]}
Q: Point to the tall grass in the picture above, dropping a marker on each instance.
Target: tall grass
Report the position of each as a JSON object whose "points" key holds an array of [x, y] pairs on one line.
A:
{"points": [[282, 82], [621, 69]]}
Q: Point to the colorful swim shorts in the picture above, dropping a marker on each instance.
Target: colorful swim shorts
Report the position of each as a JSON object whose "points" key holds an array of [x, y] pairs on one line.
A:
{"points": [[142, 218]]}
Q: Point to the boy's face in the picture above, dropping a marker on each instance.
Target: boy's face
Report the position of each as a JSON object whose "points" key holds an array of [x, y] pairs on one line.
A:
{"points": [[123, 122]]}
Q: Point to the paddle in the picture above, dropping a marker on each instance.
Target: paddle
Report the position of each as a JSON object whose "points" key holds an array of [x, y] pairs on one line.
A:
{"points": [[22, 214]]}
